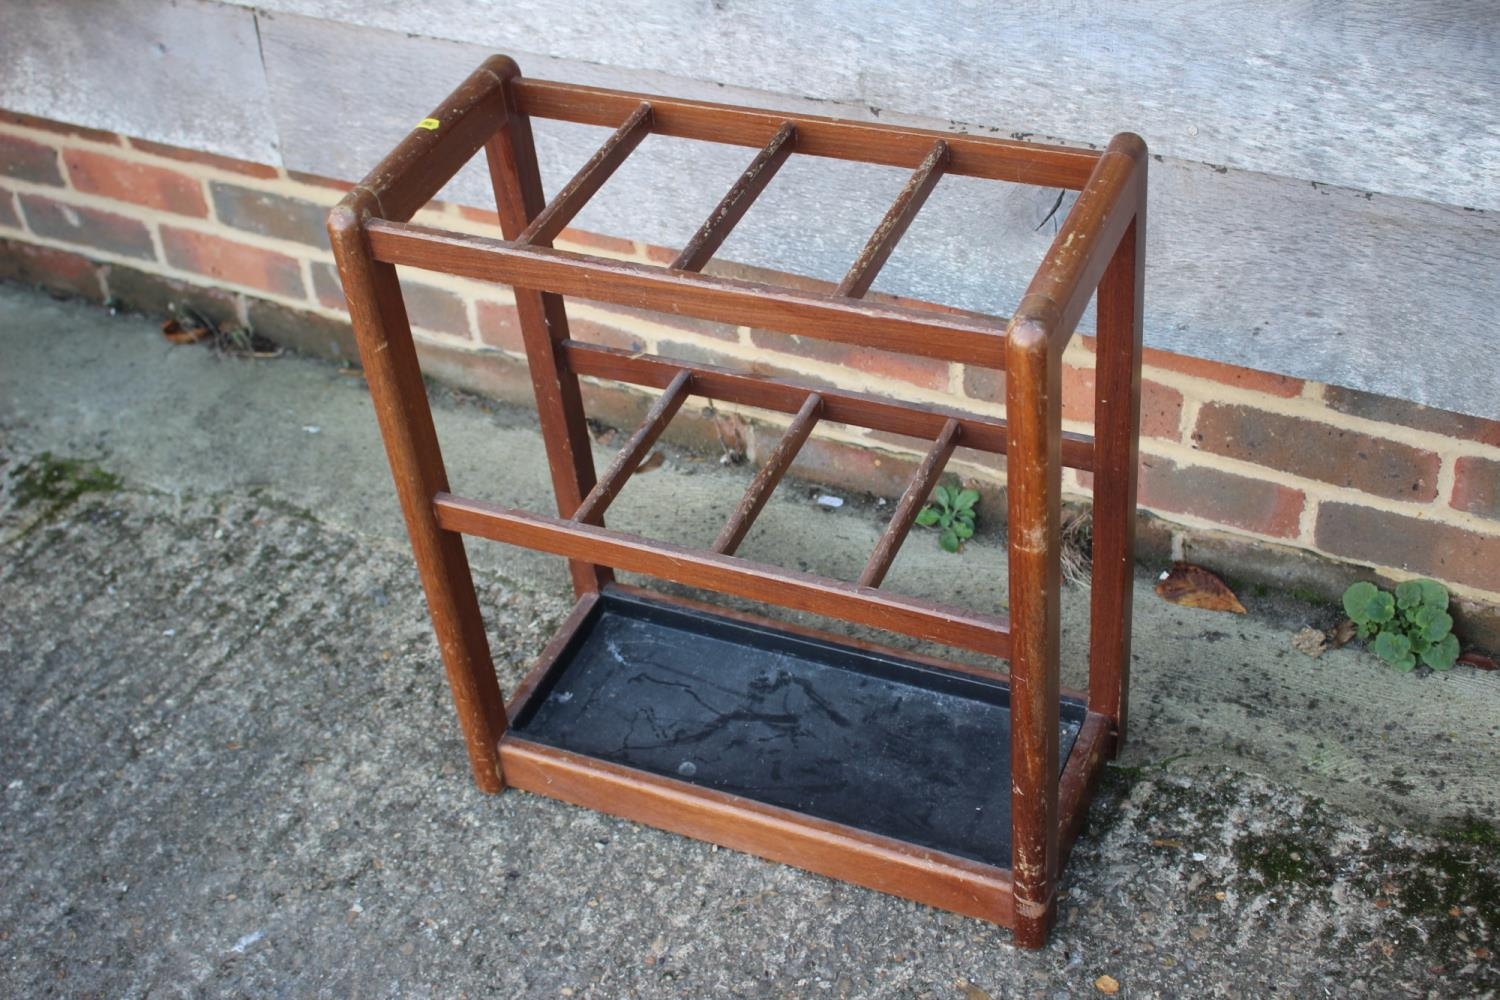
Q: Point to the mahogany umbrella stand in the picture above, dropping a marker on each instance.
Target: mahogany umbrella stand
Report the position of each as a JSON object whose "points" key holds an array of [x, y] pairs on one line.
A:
{"points": [[943, 784]]}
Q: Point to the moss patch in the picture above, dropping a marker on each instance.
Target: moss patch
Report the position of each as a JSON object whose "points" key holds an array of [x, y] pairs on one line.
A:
{"points": [[1277, 860], [51, 485], [57, 483]]}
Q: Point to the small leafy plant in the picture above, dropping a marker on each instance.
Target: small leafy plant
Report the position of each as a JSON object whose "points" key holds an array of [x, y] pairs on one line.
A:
{"points": [[1410, 627], [952, 512]]}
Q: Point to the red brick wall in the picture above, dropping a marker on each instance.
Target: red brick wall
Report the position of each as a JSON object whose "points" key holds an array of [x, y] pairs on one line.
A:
{"points": [[1363, 479]]}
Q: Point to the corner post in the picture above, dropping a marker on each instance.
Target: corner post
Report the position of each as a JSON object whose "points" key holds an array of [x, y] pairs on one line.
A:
{"points": [[1117, 418], [1033, 406], [544, 323], [400, 399]]}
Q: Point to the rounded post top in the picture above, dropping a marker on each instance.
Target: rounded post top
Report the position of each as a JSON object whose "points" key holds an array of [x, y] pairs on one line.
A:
{"points": [[501, 67], [1128, 143]]}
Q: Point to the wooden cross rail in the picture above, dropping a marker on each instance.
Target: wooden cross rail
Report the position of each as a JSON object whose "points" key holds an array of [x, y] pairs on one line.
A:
{"points": [[1099, 248], [900, 215], [737, 201], [917, 492], [764, 483], [589, 179], [634, 452]]}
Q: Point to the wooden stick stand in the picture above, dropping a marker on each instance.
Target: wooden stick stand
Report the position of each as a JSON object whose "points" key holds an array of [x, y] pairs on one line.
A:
{"points": [[1003, 865]]}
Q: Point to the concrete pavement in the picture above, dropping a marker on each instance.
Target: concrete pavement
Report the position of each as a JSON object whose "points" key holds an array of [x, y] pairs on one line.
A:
{"points": [[229, 765]]}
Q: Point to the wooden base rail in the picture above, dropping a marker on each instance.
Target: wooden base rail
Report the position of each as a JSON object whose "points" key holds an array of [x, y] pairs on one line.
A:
{"points": [[787, 588], [1099, 250]]}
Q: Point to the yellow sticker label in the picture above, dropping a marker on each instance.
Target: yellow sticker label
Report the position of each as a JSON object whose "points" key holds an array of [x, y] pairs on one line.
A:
{"points": [[430, 124]]}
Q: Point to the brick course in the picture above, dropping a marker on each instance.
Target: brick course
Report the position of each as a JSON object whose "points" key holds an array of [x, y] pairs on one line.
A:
{"points": [[1313, 450], [26, 160], [272, 214], [1242, 378], [435, 309], [58, 128], [327, 288], [90, 226], [1262, 467], [57, 270], [137, 183], [1239, 501], [499, 326], [1418, 545], [1476, 487], [226, 163], [928, 373], [1386, 410], [226, 260]]}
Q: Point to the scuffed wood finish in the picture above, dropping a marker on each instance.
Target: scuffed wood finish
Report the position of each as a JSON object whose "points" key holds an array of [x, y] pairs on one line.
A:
{"points": [[764, 483], [732, 207], [912, 501], [897, 219], [815, 845], [431, 153], [511, 153], [400, 400], [1033, 404], [1099, 245], [926, 332], [589, 179], [591, 511], [787, 588]]}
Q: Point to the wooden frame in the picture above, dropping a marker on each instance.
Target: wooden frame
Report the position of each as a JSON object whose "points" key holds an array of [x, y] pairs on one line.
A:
{"points": [[1099, 246]]}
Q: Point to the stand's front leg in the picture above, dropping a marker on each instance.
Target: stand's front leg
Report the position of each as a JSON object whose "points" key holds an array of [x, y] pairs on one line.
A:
{"points": [[1033, 406]]}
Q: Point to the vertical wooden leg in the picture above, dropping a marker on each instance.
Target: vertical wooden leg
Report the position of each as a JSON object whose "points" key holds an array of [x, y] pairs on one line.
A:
{"points": [[1117, 410], [395, 381], [1033, 394], [544, 325]]}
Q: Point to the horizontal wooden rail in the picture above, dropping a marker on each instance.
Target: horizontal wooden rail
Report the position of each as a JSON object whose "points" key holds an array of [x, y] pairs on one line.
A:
{"points": [[912, 501], [733, 206], [895, 223], [438, 146], [926, 332], [988, 634], [892, 145], [786, 396], [634, 452], [764, 483], [589, 179]]}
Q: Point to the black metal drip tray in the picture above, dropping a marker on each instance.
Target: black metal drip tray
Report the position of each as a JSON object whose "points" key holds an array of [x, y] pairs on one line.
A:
{"points": [[874, 742]]}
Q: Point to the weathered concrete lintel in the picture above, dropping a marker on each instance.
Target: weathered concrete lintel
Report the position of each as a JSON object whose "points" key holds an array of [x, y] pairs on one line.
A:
{"points": [[1386, 294]]}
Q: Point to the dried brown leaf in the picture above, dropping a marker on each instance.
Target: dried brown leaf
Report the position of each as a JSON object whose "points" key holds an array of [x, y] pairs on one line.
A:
{"points": [[971, 992], [1342, 633], [1310, 642], [1195, 587], [1479, 661], [651, 461], [176, 333]]}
